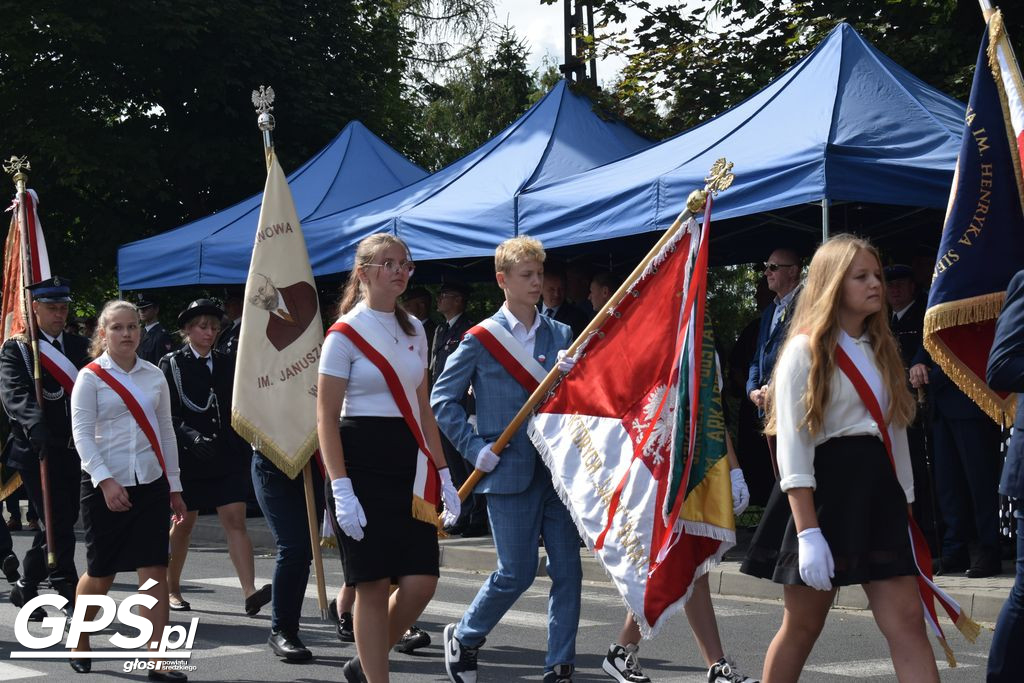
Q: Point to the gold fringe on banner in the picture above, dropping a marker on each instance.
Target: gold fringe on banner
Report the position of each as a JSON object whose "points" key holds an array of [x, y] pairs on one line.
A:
{"points": [[10, 486], [967, 626], [265, 445], [425, 512], [996, 35], [976, 309]]}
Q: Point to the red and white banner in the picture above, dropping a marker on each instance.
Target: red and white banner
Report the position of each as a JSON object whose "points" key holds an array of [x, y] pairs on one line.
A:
{"points": [[14, 282], [635, 440]]}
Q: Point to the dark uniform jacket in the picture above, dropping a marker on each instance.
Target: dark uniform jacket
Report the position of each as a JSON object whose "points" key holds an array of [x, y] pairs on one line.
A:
{"points": [[1006, 373], [908, 332], [155, 343], [193, 379], [769, 342], [569, 314], [446, 340], [53, 422]]}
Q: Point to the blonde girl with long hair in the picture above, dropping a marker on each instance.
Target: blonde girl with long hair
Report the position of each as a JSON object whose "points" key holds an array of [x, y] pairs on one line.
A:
{"points": [[370, 452], [838, 514]]}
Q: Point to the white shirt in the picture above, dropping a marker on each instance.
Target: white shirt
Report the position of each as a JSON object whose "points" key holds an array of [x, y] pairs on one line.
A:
{"points": [[107, 437], [526, 337], [845, 415], [367, 393], [900, 313], [451, 320], [152, 325]]}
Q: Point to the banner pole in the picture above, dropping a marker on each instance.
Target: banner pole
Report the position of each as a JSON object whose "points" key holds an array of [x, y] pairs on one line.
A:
{"points": [[719, 179], [262, 99]]}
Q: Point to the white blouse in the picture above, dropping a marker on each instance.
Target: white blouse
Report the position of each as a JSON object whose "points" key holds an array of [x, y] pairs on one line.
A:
{"points": [[845, 415], [107, 437], [367, 393]]}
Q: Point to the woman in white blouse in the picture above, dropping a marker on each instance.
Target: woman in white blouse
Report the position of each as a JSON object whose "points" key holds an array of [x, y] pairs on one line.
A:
{"points": [[129, 490], [838, 515]]}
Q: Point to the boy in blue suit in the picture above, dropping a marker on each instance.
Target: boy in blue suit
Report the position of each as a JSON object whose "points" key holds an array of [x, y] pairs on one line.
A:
{"points": [[521, 501]]}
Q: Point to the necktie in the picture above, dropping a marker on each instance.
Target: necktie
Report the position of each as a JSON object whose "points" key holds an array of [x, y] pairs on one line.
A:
{"points": [[549, 312], [895, 319], [56, 344]]}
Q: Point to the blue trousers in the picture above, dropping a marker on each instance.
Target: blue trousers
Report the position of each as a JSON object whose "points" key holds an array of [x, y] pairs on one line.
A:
{"points": [[284, 505], [518, 521], [1006, 657]]}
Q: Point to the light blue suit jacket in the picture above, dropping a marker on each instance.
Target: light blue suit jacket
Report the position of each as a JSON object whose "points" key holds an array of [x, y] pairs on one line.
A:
{"points": [[498, 398]]}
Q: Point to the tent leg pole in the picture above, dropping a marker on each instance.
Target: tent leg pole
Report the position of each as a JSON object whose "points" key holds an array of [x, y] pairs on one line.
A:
{"points": [[824, 219]]}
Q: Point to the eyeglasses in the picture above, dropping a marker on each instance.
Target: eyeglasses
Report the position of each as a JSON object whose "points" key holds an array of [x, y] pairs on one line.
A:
{"points": [[393, 266], [775, 266]]}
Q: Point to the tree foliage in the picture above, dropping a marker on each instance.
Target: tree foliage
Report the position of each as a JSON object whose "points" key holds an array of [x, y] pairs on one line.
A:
{"points": [[137, 116]]}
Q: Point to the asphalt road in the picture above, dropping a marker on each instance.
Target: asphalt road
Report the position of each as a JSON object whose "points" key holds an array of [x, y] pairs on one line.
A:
{"points": [[232, 647]]}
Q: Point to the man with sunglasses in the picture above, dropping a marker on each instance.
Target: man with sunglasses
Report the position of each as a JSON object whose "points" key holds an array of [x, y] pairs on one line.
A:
{"points": [[782, 270]]}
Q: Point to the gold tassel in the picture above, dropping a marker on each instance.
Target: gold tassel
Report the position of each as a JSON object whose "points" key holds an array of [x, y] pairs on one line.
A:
{"points": [[950, 659], [425, 512], [328, 542], [967, 626]]}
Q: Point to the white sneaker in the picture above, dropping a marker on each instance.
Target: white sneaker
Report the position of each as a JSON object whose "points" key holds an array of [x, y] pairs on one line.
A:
{"points": [[459, 660], [621, 663], [724, 671]]}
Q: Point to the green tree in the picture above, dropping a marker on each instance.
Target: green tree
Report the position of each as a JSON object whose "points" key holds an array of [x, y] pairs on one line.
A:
{"points": [[137, 116], [476, 102]]}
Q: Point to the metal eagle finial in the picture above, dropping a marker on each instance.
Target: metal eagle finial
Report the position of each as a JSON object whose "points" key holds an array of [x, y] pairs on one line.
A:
{"points": [[262, 99], [720, 176], [16, 166]]}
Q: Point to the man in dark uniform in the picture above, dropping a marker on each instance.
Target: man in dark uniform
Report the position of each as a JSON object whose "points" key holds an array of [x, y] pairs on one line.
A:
{"points": [[417, 302], [451, 303], [907, 325], [156, 342], [37, 432], [554, 305], [227, 342]]}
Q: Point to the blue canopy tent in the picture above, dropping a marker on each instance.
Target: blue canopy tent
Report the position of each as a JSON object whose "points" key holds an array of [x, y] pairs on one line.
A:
{"points": [[467, 208], [845, 126], [354, 167]]}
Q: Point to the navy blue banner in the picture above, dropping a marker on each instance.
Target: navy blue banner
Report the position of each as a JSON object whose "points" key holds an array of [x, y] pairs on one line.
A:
{"points": [[982, 245]]}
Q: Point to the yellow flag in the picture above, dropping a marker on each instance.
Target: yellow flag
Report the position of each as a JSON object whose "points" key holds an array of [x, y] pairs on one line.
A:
{"points": [[274, 405]]}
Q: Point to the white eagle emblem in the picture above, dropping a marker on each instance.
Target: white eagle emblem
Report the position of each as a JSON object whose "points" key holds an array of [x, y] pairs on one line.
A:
{"points": [[661, 430]]}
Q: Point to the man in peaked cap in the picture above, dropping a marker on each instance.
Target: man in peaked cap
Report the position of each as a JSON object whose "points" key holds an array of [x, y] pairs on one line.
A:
{"points": [[156, 342], [38, 431]]}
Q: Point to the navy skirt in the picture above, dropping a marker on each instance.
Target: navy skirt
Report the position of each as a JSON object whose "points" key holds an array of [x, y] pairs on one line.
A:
{"points": [[124, 541]]}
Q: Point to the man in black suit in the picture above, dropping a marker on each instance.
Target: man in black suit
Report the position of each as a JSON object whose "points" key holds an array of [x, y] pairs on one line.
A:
{"points": [[416, 302], [451, 303], [782, 270], [156, 342], [37, 431], [1006, 373], [554, 305], [907, 325], [227, 342]]}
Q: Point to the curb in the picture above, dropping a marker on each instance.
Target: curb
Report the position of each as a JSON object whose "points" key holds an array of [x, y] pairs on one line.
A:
{"points": [[982, 603]]}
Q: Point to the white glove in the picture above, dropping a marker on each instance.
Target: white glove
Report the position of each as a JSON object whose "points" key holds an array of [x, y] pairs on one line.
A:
{"points": [[450, 496], [740, 492], [565, 362], [347, 509], [486, 459], [816, 565]]}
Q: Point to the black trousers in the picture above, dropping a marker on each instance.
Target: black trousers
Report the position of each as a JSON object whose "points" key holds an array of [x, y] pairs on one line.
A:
{"points": [[65, 481]]}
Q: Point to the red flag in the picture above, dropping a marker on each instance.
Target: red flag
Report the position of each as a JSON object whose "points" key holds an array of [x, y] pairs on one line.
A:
{"points": [[12, 312]]}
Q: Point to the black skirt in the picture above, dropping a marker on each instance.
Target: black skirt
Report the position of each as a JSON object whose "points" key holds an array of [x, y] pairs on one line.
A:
{"points": [[862, 513], [211, 493], [380, 458], [124, 541]]}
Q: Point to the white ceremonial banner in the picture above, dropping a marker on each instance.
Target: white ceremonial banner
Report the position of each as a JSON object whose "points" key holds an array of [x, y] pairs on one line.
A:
{"points": [[274, 404]]}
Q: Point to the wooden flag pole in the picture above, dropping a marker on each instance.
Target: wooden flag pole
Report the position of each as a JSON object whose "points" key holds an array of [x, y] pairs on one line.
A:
{"points": [[21, 183], [262, 99], [719, 179]]}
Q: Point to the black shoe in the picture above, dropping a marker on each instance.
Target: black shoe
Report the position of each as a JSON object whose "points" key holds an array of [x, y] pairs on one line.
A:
{"points": [[289, 646], [178, 604], [459, 660], [9, 566], [986, 564], [353, 671], [255, 602], [475, 531], [14, 524], [176, 676], [21, 594], [562, 673], [952, 564], [332, 610], [413, 639], [346, 632], [81, 666]]}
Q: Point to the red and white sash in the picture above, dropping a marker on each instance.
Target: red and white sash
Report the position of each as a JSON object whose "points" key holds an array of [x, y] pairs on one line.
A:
{"points": [[58, 365], [864, 376], [138, 404], [509, 353], [427, 484]]}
